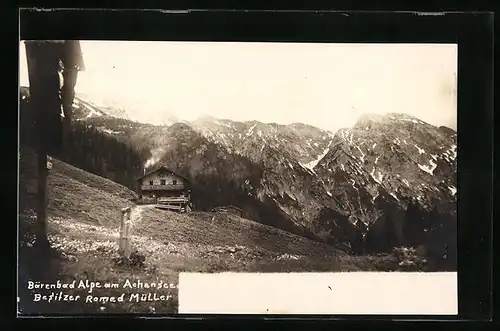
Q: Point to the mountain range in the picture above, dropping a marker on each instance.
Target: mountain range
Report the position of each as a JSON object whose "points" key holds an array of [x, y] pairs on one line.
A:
{"points": [[389, 180]]}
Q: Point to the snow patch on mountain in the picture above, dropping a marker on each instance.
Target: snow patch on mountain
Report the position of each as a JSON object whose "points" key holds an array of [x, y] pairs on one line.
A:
{"points": [[429, 169], [362, 154], [452, 189], [109, 131], [420, 150], [93, 113], [250, 131], [451, 154], [378, 177], [313, 163]]}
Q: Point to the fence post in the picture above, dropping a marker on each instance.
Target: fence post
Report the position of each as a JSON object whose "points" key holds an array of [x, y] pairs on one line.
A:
{"points": [[122, 226], [127, 248], [124, 241]]}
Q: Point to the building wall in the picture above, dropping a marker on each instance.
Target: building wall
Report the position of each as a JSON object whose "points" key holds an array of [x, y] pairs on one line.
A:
{"points": [[163, 194], [169, 178], [179, 189], [169, 194]]}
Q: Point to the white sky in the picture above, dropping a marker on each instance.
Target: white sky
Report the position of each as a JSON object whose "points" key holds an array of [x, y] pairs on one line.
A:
{"points": [[325, 85]]}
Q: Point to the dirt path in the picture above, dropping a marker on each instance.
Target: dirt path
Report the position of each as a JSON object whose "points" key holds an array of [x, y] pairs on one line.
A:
{"points": [[137, 213], [138, 210]]}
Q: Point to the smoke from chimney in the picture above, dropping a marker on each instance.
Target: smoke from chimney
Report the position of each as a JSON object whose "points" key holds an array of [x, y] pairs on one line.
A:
{"points": [[156, 155]]}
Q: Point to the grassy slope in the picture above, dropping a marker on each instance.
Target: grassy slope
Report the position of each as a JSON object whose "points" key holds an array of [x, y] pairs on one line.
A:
{"points": [[84, 218]]}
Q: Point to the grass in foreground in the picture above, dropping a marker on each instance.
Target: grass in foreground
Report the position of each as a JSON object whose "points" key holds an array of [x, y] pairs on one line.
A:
{"points": [[84, 213]]}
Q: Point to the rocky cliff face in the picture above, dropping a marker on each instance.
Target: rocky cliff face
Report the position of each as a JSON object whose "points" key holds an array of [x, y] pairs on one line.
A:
{"points": [[384, 169], [368, 185], [397, 156]]}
